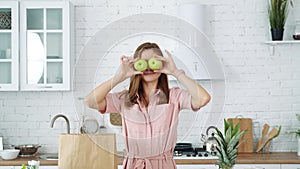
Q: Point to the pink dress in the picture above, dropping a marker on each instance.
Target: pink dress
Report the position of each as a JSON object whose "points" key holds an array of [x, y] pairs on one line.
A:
{"points": [[150, 134]]}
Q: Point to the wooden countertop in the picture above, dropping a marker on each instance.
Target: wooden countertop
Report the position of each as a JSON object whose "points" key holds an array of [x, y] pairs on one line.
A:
{"points": [[254, 158], [243, 158], [24, 160]]}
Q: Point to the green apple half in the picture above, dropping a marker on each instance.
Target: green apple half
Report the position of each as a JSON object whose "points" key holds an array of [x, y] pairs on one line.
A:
{"points": [[154, 64], [140, 65]]}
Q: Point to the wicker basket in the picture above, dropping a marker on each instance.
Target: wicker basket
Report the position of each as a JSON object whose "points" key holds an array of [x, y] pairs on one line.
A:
{"points": [[115, 119], [5, 20]]}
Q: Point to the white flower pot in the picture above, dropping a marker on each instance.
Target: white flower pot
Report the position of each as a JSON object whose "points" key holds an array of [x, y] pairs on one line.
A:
{"points": [[298, 152]]}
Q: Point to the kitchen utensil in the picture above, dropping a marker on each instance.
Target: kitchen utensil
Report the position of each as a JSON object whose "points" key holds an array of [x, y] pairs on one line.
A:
{"points": [[53, 156], [263, 135], [9, 154], [203, 138], [90, 125], [246, 141], [211, 142], [183, 146], [273, 134], [27, 150], [102, 126], [267, 147]]}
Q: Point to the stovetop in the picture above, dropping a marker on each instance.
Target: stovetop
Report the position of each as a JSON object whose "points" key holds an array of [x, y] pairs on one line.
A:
{"points": [[196, 156], [187, 151]]}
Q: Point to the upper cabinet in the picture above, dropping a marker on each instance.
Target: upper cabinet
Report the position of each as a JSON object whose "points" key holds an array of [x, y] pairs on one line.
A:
{"points": [[45, 45], [9, 38]]}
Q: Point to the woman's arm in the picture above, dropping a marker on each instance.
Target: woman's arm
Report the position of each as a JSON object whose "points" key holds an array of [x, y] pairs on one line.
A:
{"points": [[200, 96], [96, 98]]}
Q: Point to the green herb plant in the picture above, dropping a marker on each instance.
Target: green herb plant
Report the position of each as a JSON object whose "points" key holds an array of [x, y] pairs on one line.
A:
{"points": [[28, 167], [227, 144], [298, 131], [278, 13]]}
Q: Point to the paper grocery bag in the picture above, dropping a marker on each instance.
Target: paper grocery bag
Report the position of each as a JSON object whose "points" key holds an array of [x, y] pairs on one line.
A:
{"points": [[87, 151]]}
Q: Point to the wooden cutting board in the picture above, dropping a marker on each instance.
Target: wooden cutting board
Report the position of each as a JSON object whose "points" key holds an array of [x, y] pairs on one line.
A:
{"points": [[247, 140]]}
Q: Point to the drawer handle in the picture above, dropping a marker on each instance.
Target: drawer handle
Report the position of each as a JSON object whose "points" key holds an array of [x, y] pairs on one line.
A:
{"points": [[45, 86]]}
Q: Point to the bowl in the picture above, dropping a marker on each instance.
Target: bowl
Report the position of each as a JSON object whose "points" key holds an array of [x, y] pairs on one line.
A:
{"points": [[27, 150], [296, 37], [10, 154]]}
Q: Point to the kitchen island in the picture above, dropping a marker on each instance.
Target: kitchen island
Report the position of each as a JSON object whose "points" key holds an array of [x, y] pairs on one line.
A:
{"points": [[243, 158]]}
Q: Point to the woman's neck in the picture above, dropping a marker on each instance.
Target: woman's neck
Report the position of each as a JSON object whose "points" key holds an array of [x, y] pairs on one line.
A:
{"points": [[149, 88]]}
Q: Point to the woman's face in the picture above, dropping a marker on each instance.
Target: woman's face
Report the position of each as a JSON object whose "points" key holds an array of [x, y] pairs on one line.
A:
{"points": [[148, 75]]}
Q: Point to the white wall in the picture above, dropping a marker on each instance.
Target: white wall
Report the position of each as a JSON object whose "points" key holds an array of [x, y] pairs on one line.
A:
{"points": [[259, 84]]}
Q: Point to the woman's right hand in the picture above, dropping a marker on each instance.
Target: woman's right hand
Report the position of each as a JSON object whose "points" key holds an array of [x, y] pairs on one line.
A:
{"points": [[126, 69]]}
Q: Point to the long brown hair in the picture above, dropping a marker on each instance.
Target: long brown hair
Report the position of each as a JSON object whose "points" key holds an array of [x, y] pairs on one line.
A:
{"points": [[135, 81]]}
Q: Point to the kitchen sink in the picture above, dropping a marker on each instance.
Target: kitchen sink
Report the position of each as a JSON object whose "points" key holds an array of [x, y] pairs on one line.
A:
{"points": [[53, 156]]}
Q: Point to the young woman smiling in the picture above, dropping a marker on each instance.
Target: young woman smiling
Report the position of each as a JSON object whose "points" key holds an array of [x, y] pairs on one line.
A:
{"points": [[149, 108]]}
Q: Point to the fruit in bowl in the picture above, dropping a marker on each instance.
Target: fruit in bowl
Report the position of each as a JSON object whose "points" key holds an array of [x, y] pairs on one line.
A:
{"points": [[9, 154]]}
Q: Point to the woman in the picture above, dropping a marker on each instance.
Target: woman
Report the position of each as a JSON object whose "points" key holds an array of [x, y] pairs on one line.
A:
{"points": [[149, 108]]}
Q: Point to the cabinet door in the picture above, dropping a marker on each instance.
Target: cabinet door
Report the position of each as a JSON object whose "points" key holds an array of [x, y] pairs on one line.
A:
{"points": [[212, 166], [290, 166], [257, 166], [45, 45], [9, 49], [7, 167], [48, 167]]}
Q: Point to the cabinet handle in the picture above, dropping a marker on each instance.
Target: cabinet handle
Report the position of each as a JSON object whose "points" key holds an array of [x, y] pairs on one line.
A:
{"points": [[0, 87], [45, 86]]}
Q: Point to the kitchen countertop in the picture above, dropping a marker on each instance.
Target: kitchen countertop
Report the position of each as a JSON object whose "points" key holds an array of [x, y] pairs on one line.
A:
{"points": [[243, 158], [24, 160]]}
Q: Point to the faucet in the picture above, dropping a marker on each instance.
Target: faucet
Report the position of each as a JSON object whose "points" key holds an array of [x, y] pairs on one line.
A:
{"points": [[63, 116]]}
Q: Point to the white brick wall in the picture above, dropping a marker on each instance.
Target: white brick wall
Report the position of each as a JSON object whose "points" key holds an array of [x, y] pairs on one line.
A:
{"points": [[259, 85]]}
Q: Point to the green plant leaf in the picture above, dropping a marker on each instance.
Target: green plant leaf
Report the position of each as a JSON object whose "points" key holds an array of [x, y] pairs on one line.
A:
{"points": [[277, 11], [225, 157], [233, 158], [228, 134], [236, 129], [227, 144], [235, 139], [226, 125], [298, 116], [233, 152]]}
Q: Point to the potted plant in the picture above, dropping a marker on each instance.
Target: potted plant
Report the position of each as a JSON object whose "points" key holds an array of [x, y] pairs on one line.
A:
{"points": [[277, 17], [227, 144], [297, 135]]}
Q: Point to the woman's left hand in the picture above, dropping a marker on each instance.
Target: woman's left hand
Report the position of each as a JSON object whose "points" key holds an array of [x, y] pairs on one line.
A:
{"points": [[169, 66]]}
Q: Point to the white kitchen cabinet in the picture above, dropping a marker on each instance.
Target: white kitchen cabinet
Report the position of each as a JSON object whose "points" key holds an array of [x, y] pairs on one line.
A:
{"points": [[45, 45], [7, 167], [48, 167], [257, 166], [290, 166], [211, 166], [9, 46]]}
